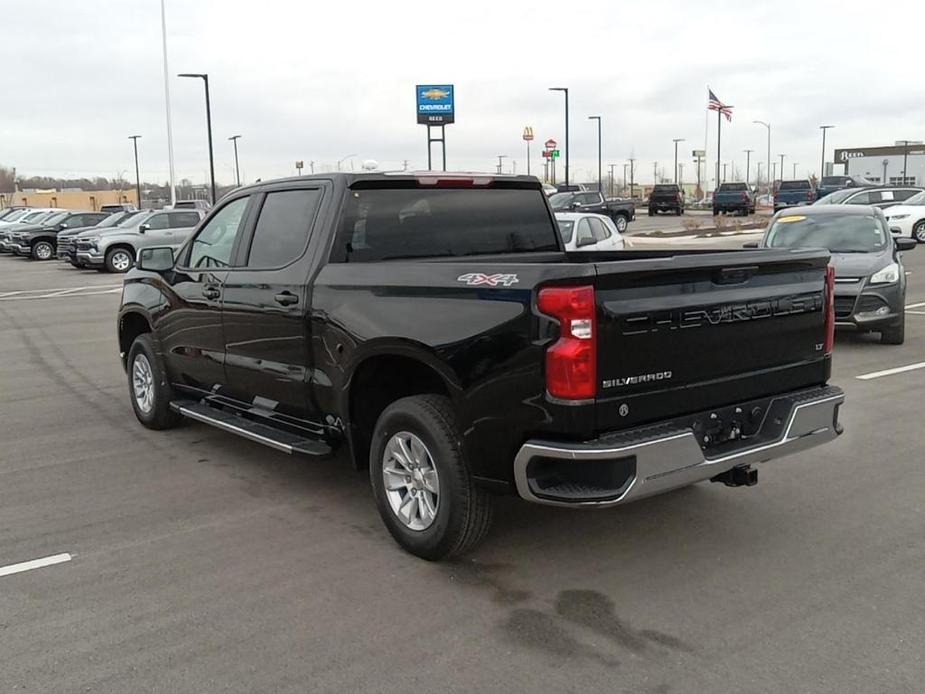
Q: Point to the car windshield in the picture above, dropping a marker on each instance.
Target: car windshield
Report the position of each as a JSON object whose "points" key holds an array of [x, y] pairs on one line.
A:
{"points": [[14, 215], [794, 185], [121, 219], [35, 217], [917, 199], [566, 227], [848, 233], [54, 218], [560, 199], [836, 198]]}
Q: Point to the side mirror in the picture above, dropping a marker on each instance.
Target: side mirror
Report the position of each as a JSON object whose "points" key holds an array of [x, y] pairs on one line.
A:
{"points": [[158, 259], [904, 244], [62, 226], [584, 241], [143, 228], [751, 244], [574, 205]]}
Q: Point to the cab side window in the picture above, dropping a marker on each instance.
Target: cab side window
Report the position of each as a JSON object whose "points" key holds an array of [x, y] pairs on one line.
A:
{"points": [[283, 227], [213, 245], [158, 221], [182, 220]]}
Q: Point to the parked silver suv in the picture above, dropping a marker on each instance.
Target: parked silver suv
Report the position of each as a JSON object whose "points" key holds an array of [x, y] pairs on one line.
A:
{"points": [[116, 249]]}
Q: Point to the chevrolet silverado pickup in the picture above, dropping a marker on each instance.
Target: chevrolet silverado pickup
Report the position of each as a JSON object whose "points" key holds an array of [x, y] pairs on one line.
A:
{"points": [[622, 212], [733, 197], [433, 327]]}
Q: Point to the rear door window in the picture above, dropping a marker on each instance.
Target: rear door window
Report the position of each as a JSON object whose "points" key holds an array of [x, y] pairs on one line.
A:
{"points": [[282, 229], [182, 220], [599, 230], [859, 199]]}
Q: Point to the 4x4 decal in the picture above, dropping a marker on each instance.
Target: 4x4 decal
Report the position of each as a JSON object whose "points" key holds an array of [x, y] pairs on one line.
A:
{"points": [[474, 279]]}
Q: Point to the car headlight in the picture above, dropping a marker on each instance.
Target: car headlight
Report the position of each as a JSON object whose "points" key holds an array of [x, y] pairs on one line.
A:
{"points": [[897, 216], [887, 275]]}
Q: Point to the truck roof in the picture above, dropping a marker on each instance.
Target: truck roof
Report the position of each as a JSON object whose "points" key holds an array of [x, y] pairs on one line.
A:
{"points": [[351, 177]]}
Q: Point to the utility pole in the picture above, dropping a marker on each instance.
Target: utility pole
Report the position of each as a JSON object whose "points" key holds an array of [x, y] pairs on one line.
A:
{"points": [[795, 168], [600, 183], [632, 182], [782, 166], [134, 139], [611, 179], [655, 172], [237, 171], [905, 158], [676, 141], [768, 170], [565, 91], [758, 178], [823, 128], [501, 157], [724, 172], [625, 179], [748, 161]]}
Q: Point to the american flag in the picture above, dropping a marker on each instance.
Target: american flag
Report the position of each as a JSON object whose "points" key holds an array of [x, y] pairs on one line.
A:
{"points": [[717, 105]]}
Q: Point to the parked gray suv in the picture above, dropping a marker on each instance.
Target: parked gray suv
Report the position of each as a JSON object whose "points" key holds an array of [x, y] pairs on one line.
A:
{"points": [[115, 250]]}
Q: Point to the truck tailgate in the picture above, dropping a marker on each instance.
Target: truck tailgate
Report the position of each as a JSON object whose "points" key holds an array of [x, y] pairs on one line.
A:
{"points": [[691, 332]]}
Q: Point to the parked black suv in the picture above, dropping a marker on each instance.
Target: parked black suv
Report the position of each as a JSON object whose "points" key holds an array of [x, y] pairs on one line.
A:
{"points": [[433, 325], [666, 197]]}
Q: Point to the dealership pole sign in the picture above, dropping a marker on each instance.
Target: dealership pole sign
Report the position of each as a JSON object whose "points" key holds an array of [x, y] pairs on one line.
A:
{"points": [[436, 108]]}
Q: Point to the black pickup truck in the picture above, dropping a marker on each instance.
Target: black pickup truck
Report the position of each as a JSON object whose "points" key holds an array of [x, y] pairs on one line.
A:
{"points": [[433, 326], [622, 212]]}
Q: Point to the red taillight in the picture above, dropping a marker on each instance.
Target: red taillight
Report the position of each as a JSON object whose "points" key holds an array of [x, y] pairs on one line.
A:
{"points": [[745, 196], [829, 308], [571, 361], [809, 195]]}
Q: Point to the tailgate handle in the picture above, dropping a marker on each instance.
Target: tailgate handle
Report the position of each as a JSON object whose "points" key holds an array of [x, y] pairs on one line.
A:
{"points": [[734, 275]]}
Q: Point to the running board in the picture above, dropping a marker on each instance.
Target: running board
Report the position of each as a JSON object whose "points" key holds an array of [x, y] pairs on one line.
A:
{"points": [[254, 431]]}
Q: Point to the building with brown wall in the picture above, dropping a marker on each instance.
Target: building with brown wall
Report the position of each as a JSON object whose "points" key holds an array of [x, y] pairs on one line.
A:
{"points": [[69, 199]]}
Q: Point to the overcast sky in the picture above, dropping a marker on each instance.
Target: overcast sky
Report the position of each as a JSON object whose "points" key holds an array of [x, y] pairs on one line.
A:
{"points": [[323, 80]]}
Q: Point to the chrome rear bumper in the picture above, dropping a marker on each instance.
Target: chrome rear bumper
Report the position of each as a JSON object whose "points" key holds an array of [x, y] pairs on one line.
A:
{"points": [[662, 458]]}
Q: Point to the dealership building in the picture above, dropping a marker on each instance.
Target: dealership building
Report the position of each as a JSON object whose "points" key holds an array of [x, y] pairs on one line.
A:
{"points": [[885, 164]]}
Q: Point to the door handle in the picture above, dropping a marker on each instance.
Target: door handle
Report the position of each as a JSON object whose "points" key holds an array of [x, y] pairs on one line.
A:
{"points": [[211, 292], [286, 299]]}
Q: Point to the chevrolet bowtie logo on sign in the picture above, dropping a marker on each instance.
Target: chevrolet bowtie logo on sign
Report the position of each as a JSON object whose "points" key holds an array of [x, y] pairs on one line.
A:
{"points": [[435, 104], [476, 279]]}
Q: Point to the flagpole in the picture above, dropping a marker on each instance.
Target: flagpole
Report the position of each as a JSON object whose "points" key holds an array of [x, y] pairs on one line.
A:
{"points": [[706, 135], [719, 130]]}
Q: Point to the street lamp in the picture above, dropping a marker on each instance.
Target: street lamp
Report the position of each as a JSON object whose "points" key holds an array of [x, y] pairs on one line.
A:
{"points": [[905, 158], [782, 166], [600, 182], [748, 163], [768, 171], [632, 182], [134, 139], [342, 160], [611, 178], [676, 141], [623, 190], [795, 164], [237, 171], [564, 90], [885, 162], [823, 128], [205, 79]]}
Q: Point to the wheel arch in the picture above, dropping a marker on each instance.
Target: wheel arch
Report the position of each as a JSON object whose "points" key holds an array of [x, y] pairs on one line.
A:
{"points": [[131, 324]]}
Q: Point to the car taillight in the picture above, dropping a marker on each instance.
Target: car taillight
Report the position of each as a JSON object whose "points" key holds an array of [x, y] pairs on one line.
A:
{"points": [[571, 361], [809, 195], [829, 308], [745, 196], [680, 197]]}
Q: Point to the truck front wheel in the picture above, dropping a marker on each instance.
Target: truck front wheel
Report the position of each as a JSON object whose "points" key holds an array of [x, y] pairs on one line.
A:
{"points": [[421, 481], [620, 222]]}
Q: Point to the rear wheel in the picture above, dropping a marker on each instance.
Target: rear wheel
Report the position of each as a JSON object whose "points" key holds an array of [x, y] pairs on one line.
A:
{"points": [[43, 250], [651, 212], [119, 260], [918, 231], [421, 482]]}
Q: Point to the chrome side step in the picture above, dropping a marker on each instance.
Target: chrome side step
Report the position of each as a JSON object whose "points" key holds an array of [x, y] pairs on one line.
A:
{"points": [[253, 431]]}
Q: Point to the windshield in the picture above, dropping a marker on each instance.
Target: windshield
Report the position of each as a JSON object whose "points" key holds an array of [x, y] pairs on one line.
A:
{"points": [[14, 215], [836, 198], [118, 219], [917, 199], [560, 199], [566, 227], [795, 185], [35, 217], [54, 217], [850, 233], [829, 181]]}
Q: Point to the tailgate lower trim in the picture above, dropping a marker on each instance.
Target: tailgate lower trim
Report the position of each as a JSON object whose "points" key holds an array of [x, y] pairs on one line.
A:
{"points": [[673, 458]]}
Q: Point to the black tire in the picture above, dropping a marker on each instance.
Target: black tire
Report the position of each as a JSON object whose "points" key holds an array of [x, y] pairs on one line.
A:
{"points": [[895, 335], [621, 221], [678, 212], [651, 212], [464, 510], [716, 212], [43, 250], [918, 231], [116, 259], [159, 415]]}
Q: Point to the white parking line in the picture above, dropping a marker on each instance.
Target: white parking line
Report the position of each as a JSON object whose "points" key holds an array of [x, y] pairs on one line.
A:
{"points": [[891, 372], [916, 313], [34, 564], [918, 305], [92, 290]]}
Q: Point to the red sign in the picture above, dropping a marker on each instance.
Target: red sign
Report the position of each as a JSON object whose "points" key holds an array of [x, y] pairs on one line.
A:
{"points": [[551, 144]]}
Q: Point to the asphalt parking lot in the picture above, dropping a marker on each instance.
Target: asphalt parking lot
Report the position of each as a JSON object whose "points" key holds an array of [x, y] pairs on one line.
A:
{"points": [[199, 562]]}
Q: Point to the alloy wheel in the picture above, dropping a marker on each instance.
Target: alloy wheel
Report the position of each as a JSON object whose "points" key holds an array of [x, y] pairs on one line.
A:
{"points": [[143, 383], [411, 482]]}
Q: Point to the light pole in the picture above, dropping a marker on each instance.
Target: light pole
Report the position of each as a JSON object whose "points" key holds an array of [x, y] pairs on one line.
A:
{"points": [[611, 178], [237, 171], [885, 162], [343, 159], [600, 182], [676, 141], [501, 157], [173, 185], [205, 79], [623, 191], [758, 178], [724, 172], [768, 170], [748, 164], [134, 139], [564, 90], [795, 164], [905, 158], [632, 182], [782, 166], [823, 128]]}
